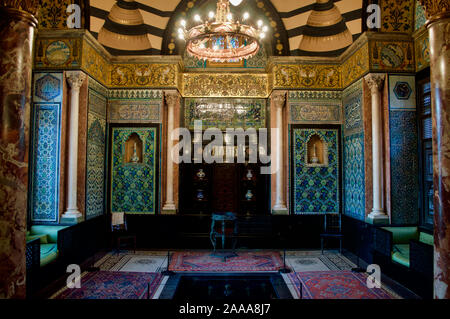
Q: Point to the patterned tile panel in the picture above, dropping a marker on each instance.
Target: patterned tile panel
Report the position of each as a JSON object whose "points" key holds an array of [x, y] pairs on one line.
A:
{"points": [[404, 167], [315, 107], [133, 185], [352, 100], [135, 106], [354, 176], [46, 155], [96, 151], [315, 189], [397, 16], [402, 93]]}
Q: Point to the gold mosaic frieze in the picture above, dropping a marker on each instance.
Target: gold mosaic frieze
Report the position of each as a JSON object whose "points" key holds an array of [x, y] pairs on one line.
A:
{"points": [[144, 75], [95, 64], [294, 76], [225, 85], [356, 66]]}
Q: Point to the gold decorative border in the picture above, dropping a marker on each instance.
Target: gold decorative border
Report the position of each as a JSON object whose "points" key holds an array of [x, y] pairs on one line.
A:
{"points": [[309, 76], [355, 66], [225, 85]]}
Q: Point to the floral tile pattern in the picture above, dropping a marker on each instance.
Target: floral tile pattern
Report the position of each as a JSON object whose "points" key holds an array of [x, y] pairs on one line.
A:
{"points": [[316, 189]]}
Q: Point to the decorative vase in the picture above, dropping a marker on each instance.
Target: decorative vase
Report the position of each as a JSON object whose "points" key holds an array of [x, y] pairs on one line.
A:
{"points": [[201, 174], [135, 157], [249, 174], [314, 158], [249, 195]]}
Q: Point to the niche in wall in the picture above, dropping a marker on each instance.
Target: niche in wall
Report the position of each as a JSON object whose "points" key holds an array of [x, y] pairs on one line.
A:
{"points": [[133, 149], [317, 152]]}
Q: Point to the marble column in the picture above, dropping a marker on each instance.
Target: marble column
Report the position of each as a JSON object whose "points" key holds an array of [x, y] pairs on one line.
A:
{"points": [[172, 99], [279, 101], [17, 29], [75, 80], [438, 24], [378, 214]]}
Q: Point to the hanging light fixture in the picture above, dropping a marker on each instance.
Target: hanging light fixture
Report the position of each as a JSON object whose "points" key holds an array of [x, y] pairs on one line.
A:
{"points": [[223, 39]]}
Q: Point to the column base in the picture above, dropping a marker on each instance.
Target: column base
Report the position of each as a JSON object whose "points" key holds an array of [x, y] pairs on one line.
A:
{"points": [[169, 209], [377, 218], [281, 211], [71, 217]]}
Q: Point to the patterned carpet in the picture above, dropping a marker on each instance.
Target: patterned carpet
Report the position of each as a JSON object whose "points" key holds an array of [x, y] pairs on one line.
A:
{"points": [[264, 261], [337, 285], [113, 285]]}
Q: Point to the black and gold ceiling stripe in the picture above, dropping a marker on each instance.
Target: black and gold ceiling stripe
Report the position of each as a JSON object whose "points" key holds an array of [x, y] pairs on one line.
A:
{"points": [[292, 15]]}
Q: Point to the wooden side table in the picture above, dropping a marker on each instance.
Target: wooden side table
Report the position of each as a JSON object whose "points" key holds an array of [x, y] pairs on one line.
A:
{"points": [[225, 219]]}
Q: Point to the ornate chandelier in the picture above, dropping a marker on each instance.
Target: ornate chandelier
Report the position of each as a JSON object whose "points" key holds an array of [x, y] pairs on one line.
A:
{"points": [[224, 39]]}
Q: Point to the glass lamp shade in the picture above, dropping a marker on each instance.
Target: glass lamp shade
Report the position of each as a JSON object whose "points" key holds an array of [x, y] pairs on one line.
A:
{"points": [[235, 2]]}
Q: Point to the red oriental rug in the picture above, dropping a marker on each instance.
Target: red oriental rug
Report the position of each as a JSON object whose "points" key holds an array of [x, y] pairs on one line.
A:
{"points": [[243, 262], [337, 285], [113, 285]]}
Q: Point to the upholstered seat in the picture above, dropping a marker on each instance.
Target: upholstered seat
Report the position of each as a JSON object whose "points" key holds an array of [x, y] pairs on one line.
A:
{"points": [[49, 253], [400, 254]]}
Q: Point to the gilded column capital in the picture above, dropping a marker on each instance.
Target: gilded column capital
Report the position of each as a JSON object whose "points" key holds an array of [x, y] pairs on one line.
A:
{"points": [[375, 82], [172, 98], [75, 79], [29, 6], [436, 9], [279, 99]]}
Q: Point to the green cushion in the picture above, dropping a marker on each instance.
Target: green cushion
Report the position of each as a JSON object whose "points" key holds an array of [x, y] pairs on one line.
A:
{"points": [[400, 254], [426, 238], [49, 253], [43, 238], [402, 235], [51, 231]]}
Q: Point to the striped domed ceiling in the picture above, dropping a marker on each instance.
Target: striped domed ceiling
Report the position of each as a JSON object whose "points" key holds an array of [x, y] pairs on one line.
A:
{"points": [[300, 27]]}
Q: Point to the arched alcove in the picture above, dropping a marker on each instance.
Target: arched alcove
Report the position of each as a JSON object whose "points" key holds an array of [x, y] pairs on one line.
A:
{"points": [[133, 149], [316, 151]]}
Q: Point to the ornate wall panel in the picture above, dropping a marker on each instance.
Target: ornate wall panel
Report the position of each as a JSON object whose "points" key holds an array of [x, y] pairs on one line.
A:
{"points": [[52, 14], [295, 76], [354, 176], [95, 64], [133, 185], [46, 144], [309, 107], [96, 150], [225, 85], [315, 189], [144, 75], [225, 113], [135, 106], [403, 141], [397, 16], [422, 51], [354, 170], [353, 104], [356, 66], [392, 56], [58, 53]]}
